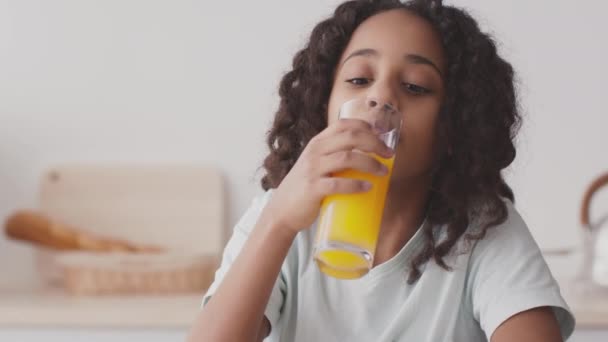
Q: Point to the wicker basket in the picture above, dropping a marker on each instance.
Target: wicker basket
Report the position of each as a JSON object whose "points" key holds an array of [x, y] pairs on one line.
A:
{"points": [[88, 273]]}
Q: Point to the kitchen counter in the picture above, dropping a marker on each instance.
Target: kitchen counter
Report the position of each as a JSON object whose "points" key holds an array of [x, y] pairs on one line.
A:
{"points": [[36, 307], [590, 311]]}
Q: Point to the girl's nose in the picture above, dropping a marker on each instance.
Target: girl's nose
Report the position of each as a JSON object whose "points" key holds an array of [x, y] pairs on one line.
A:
{"points": [[374, 102]]}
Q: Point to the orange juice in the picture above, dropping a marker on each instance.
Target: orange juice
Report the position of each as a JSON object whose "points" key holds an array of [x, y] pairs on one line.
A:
{"points": [[351, 224]]}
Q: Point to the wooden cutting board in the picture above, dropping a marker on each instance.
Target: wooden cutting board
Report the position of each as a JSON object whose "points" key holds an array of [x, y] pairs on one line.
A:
{"points": [[181, 207]]}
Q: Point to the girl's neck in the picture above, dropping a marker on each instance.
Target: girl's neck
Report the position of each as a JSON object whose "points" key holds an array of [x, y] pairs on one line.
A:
{"points": [[404, 212]]}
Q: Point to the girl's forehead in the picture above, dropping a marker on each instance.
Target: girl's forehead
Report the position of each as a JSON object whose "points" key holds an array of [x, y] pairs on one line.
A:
{"points": [[400, 32]]}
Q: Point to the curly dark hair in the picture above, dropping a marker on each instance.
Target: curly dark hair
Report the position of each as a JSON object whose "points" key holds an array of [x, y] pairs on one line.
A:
{"points": [[477, 124]]}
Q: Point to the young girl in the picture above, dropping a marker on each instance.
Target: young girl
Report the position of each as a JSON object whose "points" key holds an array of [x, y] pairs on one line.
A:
{"points": [[454, 260]]}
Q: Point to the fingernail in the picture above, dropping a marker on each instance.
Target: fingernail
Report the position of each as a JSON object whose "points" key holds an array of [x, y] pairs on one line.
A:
{"points": [[389, 152], [383, 170], [366, 185]]}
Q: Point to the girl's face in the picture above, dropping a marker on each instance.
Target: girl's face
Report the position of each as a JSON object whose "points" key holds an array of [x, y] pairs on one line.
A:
{"points": [[396, 57]]}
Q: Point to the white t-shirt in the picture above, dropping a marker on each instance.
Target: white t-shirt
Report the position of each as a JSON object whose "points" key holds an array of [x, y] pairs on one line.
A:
{"points": [[492, 280]]}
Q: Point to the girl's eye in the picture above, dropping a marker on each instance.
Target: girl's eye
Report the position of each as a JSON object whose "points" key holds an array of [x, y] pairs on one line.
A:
{"points": [[358, 81], [415, 89]]}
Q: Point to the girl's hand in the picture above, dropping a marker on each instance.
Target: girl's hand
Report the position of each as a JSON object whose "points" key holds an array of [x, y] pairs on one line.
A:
{"points": [[297, 200]]}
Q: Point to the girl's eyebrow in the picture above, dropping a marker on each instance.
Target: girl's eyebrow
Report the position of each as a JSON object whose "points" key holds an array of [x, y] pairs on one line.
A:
{"points": [[411, 58], [418, 59], [362, 52]]}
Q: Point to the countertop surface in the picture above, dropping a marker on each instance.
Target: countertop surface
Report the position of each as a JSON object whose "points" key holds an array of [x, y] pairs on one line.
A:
{"points": [[37, 306], [44, 307], [590, 311]]}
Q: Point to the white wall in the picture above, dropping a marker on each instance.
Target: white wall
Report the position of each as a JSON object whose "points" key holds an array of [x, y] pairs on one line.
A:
{"points": [[559, 50], [144, 81], [185, 81]]}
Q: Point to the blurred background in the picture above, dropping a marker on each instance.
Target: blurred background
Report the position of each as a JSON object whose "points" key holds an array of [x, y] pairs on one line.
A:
{"points": [[185, 83]]}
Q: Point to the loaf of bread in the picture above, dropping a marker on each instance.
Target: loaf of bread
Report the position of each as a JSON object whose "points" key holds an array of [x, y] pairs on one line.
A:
{"points": [[39, 229]]}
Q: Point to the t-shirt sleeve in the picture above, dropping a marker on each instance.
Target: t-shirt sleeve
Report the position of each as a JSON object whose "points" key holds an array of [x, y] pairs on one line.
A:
{"points": [[509, 276], [231, 251]]}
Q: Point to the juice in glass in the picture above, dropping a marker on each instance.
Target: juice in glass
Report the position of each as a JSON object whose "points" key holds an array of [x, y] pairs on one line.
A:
{"points": [[349, 224]]}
